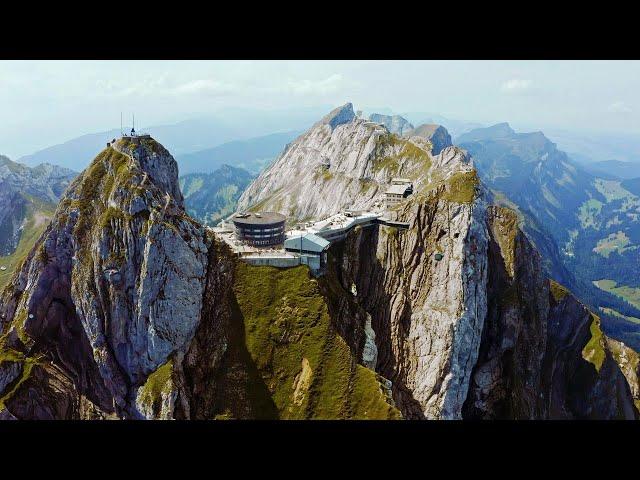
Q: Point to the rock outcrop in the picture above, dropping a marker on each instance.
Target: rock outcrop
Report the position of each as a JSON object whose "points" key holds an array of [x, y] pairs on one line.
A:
{"points": [[395, 124], [113, 287], [436, 134]]}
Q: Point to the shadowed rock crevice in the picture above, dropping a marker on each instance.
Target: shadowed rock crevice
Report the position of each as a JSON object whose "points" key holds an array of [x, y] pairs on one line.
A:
{"points": [[220, 376], [542, 354]]}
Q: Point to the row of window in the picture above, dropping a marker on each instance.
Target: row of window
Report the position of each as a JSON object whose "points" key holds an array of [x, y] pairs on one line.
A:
{"points": [[262, 236], [271, 231], [264, 242], [276, 229]]}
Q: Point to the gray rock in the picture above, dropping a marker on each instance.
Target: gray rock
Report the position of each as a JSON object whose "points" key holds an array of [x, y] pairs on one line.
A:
{"points": [[9, 371], [395, 124], [339, 116], [436, 134]]}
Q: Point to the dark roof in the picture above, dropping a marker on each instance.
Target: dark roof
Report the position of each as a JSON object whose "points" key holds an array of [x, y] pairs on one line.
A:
{"points": [[262, 218]]}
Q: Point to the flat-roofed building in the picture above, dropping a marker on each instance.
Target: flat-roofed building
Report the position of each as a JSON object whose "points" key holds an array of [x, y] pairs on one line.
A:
{"points": [[396, 193], [311, 248], [264, 229]]}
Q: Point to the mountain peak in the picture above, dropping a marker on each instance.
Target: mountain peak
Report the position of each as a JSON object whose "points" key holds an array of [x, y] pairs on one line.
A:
{"points": [[436, 134], [499, 130], [339, 115], [13, 167], [154, 160], [394, 123]]}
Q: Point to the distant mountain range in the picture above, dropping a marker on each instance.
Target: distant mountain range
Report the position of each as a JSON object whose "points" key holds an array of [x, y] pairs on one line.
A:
{"points": [[588, 147], [184, 137], [613, 169], [593, 219], [253, 154], [209, 197], [28, 197]]}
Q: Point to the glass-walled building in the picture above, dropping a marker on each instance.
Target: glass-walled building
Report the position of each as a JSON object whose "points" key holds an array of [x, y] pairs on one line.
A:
{"points": [[264, 229]]}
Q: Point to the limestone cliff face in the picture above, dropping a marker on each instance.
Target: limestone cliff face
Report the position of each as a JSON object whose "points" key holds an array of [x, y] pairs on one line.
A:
{"points": [[543, 354], [127, 308], [481, 333], [112, 288], [341, 162]]}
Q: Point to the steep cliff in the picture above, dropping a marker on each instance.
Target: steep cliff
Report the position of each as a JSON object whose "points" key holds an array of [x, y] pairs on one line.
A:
{"points": [[127, 308], [112, 287], [457, 306], [595, 222], [480, 333]]}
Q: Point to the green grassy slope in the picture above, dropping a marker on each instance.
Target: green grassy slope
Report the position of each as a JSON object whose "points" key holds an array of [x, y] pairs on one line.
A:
{"points": [[306, 366], [39, 214]]}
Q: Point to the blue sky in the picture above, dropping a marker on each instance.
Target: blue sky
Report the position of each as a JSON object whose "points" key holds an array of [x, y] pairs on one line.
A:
{"points": [[48, 102]]}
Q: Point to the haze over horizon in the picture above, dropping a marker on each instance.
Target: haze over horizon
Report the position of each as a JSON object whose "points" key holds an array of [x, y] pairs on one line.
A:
{"points": [[61, 100]]}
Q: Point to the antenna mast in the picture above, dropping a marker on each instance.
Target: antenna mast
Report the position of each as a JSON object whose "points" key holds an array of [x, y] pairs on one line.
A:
{"points": [[121, 134]]}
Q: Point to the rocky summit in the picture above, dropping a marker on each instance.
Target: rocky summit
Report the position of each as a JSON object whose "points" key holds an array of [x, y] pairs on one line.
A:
{"points": [[126, 307]]}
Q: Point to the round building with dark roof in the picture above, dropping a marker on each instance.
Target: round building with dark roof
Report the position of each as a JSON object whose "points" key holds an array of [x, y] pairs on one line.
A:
{"points": [[264, 229]]}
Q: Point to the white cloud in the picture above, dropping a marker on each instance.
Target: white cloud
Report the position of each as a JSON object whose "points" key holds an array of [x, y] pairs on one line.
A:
{"points": [[159, 86], [204, 86], [516, 85], [331, 84], [619, 107]]}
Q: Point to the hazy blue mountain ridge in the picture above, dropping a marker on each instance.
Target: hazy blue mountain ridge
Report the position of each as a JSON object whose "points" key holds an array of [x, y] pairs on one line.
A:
{"points": [[209, 197]]}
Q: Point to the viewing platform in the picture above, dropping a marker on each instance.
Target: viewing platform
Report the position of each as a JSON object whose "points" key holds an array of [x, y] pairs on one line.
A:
{"points": [[305, 245]]}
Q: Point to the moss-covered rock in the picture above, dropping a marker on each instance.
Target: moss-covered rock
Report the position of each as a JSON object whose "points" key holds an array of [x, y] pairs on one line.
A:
{"points": [[594, 350], [306, 366], [462, 187], [155, 398]]}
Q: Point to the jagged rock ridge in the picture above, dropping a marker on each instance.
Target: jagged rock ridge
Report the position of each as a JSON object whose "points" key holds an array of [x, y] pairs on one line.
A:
{"points": [[342, 162]]}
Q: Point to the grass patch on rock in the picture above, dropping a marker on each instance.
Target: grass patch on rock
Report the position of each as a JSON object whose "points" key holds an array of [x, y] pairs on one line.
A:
{"points": [[157, 383], [461, 187], [594, 351], [558, 292], [306, 366]]}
